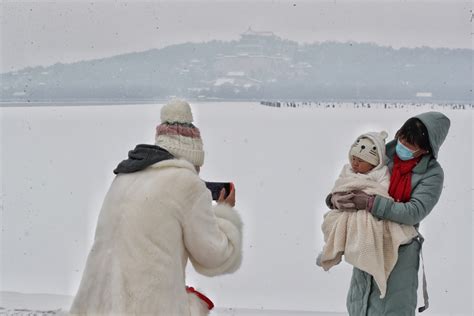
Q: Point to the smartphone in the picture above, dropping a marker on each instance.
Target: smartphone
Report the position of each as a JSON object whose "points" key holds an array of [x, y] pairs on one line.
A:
{"points": [[216, 187]]}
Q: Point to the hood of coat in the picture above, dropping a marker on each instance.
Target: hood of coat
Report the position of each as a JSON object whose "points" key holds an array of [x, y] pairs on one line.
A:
{"points": [[142, 157], [437, 125]]}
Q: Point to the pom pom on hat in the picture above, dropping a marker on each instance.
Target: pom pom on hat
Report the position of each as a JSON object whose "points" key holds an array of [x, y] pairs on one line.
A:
{"points": [[176, 111]]}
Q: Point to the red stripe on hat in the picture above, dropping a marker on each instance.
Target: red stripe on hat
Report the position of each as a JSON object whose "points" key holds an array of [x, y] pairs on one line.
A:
{"points": [[167, 129]]}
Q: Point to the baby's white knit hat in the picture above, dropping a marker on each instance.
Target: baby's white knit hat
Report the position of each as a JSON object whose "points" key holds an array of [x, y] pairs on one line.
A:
{"points": [[178, 135], [370, 147]]}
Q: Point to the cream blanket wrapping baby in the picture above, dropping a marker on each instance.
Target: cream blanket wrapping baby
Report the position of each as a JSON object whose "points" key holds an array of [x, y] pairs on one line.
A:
{"points": [[366, 242]]}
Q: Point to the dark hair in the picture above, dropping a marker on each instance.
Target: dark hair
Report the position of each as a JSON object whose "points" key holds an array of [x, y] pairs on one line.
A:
{"points": [[415, 132]]}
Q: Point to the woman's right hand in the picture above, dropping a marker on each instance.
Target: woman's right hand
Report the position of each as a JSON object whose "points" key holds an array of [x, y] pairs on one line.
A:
{"points": [[230, 199], [342, 201]]}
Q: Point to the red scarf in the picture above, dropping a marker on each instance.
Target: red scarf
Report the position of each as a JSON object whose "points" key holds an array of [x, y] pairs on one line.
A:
{"points": [[400, 181]]}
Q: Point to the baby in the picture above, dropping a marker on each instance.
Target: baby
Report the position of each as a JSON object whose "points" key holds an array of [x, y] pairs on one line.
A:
{"points": [[366, 242]]}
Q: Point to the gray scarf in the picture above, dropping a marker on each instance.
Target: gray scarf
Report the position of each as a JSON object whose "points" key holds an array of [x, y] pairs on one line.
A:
{"points": [[141, 157]]}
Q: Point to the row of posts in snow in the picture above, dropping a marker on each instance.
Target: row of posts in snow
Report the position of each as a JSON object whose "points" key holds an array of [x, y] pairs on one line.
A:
{"points": [[366, 105]]}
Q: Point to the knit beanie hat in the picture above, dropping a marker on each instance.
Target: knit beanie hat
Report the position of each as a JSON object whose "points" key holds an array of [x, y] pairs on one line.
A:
{"points": [[370, 147], [178, 135]]}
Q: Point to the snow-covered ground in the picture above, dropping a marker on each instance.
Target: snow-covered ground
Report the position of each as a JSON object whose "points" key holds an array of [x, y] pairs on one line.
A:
{"points": [[57, 163], [20, 304], [33, 304], [37, 305]]}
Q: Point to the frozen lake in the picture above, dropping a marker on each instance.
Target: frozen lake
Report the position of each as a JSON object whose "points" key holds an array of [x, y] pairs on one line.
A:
{"points": [[57, 163], [49, 305]]}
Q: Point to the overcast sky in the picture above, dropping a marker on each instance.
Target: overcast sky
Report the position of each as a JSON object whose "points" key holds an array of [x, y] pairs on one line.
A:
{"points": [[45, 32]]}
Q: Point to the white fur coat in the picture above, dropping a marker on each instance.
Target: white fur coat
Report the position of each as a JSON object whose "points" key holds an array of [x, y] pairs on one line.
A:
{"points": [[150, 223], [366, 242]]}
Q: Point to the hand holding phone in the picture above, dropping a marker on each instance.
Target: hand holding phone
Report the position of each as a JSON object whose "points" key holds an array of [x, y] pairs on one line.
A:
{"points": [[222, 192], [216, 188], [229, 198]]}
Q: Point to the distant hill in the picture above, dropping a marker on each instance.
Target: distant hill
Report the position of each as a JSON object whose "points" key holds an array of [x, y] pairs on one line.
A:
{"points": [[256, 67]]}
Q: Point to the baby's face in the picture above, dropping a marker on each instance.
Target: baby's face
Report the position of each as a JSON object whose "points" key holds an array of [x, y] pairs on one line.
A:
{"points": [[360, 166]]}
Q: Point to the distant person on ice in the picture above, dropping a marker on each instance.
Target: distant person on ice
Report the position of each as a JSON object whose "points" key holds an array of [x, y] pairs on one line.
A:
{"points": [[415, 186], [156, 215], [366, 242]]}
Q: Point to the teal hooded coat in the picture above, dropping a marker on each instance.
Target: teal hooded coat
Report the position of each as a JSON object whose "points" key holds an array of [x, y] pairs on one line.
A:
{"points": [[427, 184]]}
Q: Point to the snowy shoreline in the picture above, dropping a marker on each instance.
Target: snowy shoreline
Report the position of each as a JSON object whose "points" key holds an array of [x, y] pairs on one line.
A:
{"points": [[347, 104], [369, 105]]}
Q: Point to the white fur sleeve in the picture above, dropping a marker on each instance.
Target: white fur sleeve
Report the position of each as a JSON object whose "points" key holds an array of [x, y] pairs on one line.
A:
{"points": [[213, 237]]}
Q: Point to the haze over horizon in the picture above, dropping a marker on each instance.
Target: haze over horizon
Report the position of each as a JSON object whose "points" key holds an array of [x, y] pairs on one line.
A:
{"points": [[44, 33]]}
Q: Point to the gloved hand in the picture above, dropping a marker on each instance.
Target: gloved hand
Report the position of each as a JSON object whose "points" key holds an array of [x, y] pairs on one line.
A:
{"points": [[362, 200], [342, 201]]}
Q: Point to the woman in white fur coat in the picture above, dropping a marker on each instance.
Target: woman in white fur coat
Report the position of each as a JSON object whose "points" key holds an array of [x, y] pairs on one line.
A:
{"points": [[156, 215]]}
